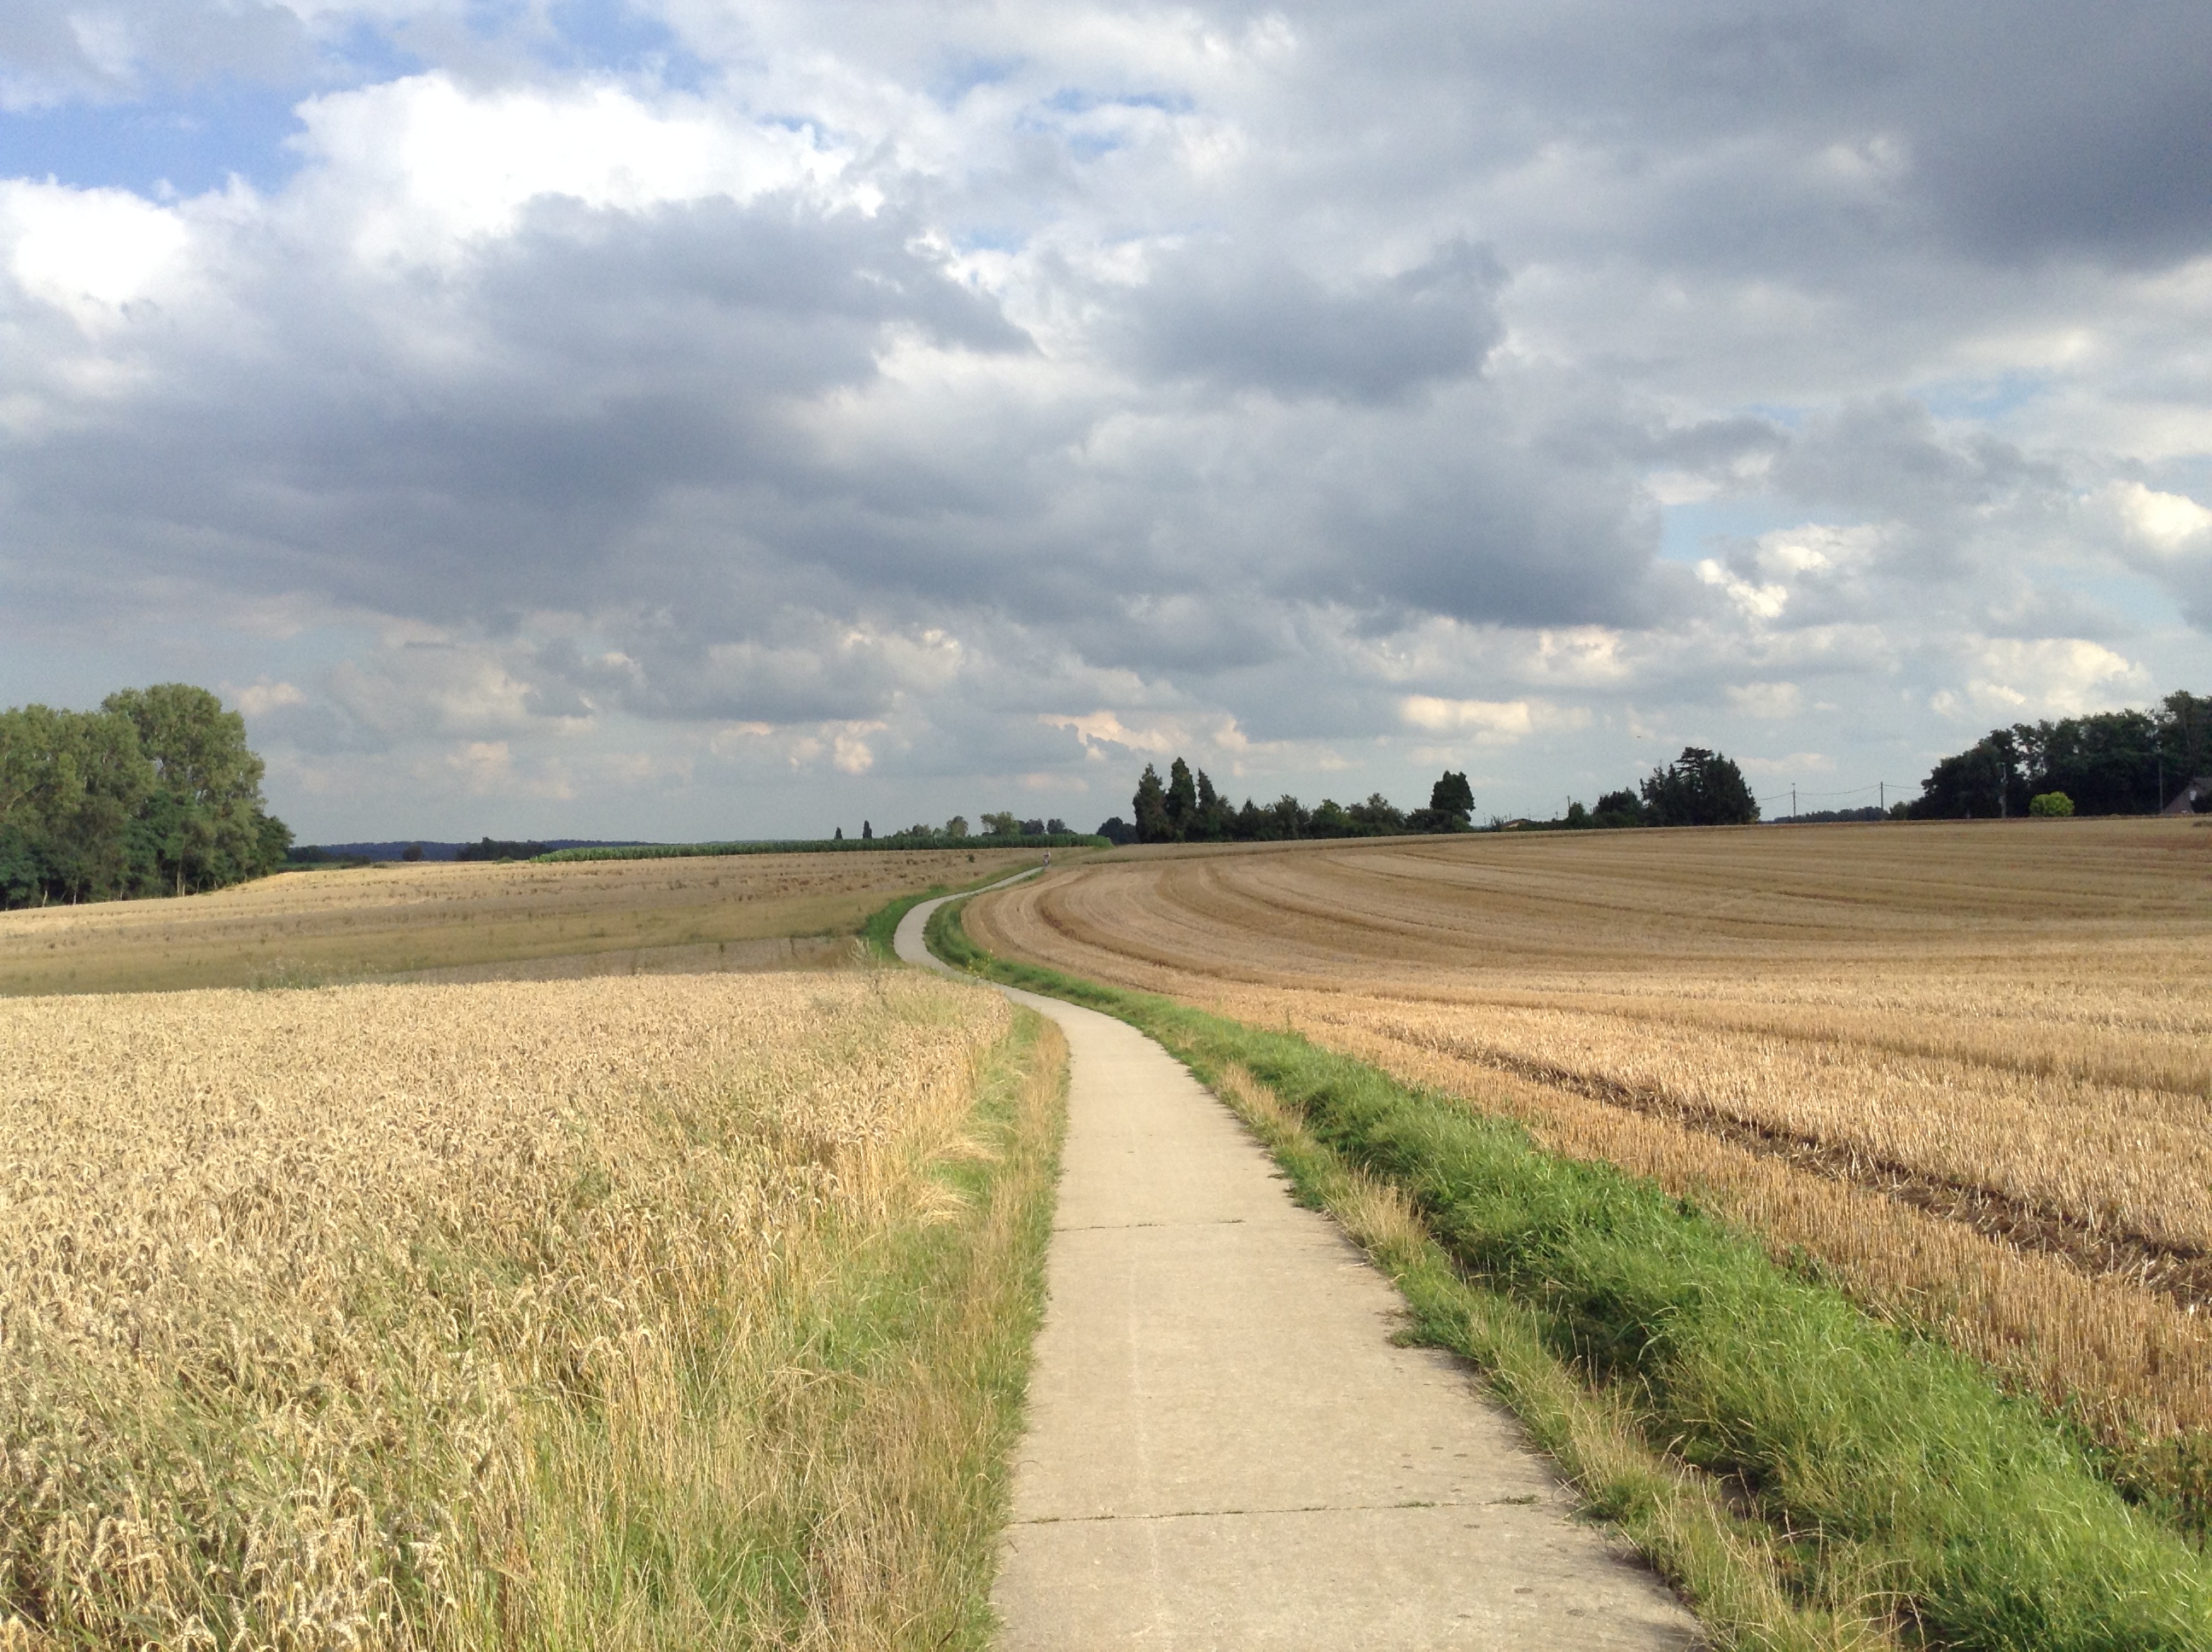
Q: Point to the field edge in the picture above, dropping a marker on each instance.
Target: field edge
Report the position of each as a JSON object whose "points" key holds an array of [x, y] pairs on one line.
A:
{"points": [[1960, 1571]]}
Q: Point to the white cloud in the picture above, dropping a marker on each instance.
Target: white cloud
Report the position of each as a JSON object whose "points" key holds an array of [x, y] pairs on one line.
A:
{"points": [[260, 699], [1101, 728], [1796, 763], [851, 753], [1770, 702], [2046, 676], [1489, 720], [425, 169], [90, 253], [2164, 522], [1758, 601]]}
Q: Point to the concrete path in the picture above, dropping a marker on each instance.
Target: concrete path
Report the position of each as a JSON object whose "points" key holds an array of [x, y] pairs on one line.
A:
{"points": [[1225, 1449]]}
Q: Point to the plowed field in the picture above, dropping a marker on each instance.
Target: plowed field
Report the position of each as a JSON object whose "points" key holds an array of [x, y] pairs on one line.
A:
{"points": [[1968, 1068]]}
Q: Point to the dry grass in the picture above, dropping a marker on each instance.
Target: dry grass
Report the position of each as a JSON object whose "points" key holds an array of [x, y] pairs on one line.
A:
{"points": [[1809, 1028], [311, 927], [545, 1313]]}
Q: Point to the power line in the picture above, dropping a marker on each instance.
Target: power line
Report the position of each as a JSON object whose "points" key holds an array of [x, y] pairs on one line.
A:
{"points": [[1798, 797]]}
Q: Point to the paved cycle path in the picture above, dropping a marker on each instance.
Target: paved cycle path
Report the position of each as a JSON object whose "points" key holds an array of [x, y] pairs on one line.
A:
{"points": [[1225, 1451]]}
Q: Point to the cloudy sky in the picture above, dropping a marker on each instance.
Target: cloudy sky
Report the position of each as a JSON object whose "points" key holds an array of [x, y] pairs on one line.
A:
{"points": [[697, 417]]}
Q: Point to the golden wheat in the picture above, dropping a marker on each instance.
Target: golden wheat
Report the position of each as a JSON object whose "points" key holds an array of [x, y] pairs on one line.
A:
{"points": [[318, 1309], [2017, 1013]]}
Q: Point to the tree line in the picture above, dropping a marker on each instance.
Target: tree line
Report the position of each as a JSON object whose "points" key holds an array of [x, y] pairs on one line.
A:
{"points": [[2111, 763], [1003, 824], [155, 793], [1188, 808], [1699, 788]]}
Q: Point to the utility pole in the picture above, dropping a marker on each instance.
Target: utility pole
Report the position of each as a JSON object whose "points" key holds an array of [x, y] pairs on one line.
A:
{"points": [[1793, 801], [1881, 796]]}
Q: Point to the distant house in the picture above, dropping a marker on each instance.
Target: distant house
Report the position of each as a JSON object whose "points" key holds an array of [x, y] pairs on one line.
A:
{"points": [[2194, 799]]}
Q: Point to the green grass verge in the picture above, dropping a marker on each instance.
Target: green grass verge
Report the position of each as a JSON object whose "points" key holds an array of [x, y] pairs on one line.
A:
{"points": [[828, 845], [903, 1371], [880, 930], [1887, 1467]]}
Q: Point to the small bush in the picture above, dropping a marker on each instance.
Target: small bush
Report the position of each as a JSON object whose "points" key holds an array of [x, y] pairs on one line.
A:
{"points": [[2053, 804]]}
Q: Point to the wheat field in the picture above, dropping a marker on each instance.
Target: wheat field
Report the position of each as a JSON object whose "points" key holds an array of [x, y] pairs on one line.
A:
{"points": [[470, 1315], [459, 918], [1965, 1068]]}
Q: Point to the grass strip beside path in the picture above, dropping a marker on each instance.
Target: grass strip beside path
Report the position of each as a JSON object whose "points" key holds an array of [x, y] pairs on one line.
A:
{"points": [[875, 1477], [1883, 1468], [880, 931]]}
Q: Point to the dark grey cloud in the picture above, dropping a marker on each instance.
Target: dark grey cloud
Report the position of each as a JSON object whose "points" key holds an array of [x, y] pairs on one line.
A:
{"points": [[1889, 455], [604, 360], [1237, 319], [1794, 136]]}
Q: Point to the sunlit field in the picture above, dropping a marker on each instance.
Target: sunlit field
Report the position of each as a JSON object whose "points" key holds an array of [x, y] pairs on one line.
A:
{"points": [[466, 918], [1965, 1068], [666, 1312]]}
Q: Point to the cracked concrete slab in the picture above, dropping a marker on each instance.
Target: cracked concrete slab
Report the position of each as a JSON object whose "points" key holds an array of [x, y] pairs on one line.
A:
{"points": [[1226, 1449]]}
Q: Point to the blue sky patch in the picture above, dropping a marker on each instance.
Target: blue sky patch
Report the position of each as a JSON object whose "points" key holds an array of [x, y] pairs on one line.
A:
{"points": [[964, 75], [610, 35], [192, 143], [1982, 399], [1690, 533]]}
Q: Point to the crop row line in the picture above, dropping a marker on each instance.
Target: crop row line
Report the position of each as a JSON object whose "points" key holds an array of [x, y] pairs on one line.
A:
{"points": [[2180, 1273]]}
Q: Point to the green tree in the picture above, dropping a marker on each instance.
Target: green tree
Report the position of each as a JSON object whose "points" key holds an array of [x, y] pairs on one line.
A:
{"points": [[1621, 808], [2184, 736], [203, 821], [1979, 783], [1004, 823], [1699, 788], [1150, 807], [1451, 807], [2112, 763], [1452, 795], [73, 787], [1378, 817], [1329, 819], [1183, 799], [1210, 820]]}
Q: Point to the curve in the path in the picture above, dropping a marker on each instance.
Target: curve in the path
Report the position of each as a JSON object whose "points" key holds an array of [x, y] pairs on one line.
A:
{"points": [[1225, 1449]]}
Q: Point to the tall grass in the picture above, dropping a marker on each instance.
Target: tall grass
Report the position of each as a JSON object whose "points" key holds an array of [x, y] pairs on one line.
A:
{"points": [[1877, 1458], [665, 1313]]}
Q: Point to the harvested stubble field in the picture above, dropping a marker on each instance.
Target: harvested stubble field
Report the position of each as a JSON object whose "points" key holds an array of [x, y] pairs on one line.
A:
{"points": [[680, 1311], [453, 918], [1967, 1068]]}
